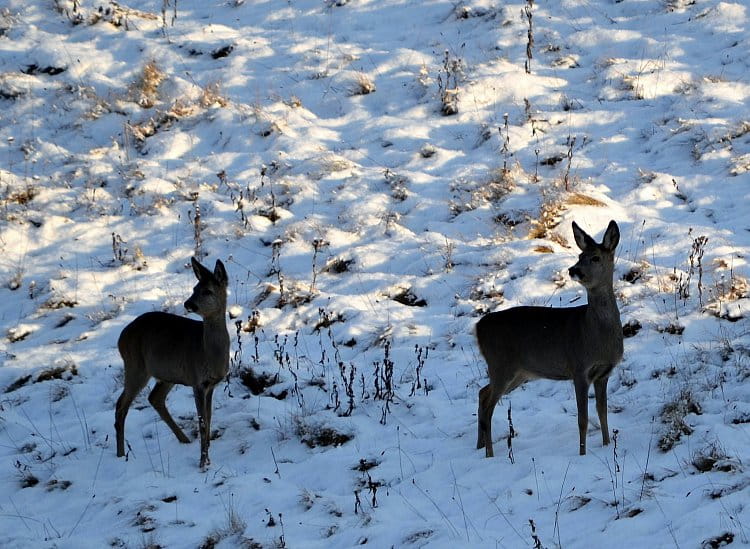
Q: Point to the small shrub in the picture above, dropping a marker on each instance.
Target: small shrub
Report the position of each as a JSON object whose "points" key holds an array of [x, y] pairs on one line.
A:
{"points": [[257, 383], [224, 51], [631, 328], [714, 458], [719, 541], [17, 384], [64, 372], [28, 480], [673, 417], [448, 78], [23, 196], [338, 265], [673, 328], [318, 435], [61, 485], [406, 296]]}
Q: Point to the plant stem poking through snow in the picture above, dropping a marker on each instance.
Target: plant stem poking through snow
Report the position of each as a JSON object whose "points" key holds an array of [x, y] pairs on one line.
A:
{"points": [[318, 244], [511, 434], [448, 84], [569, 156], [534, 537], [195, 216], [505, 150], [529, 34]]}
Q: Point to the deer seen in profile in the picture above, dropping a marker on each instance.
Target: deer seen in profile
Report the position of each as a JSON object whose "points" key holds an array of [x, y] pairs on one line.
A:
{"points": [[178, 350], [582, 343]]}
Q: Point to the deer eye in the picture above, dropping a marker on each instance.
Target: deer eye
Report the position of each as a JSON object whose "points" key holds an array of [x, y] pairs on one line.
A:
{"points": [[596, 259]]}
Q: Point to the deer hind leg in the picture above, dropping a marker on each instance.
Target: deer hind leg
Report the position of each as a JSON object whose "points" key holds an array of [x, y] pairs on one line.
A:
{"points": [[600, 391], [582, 396], [158, 399], [136, 378], [481, 426], [488, 397]]}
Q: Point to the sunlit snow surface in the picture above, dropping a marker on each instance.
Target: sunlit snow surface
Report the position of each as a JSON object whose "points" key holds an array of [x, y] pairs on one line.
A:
{"points": [[302, 142]]}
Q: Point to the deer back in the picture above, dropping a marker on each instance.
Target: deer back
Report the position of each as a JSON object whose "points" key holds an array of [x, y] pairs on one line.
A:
{"points": [[171, 348]]}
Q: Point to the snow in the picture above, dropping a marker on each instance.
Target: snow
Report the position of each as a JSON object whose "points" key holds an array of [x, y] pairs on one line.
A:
{"points": [[361, 230]]}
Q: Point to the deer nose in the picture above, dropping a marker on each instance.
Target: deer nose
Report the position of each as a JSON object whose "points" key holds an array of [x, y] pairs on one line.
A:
{"points": [[575, 273], [190, 306]]}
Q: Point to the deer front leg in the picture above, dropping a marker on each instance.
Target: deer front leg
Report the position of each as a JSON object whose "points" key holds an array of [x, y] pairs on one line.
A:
{"points": [[200, 394], [600, 391], [582, 396], [209, 410], [481, 427]]}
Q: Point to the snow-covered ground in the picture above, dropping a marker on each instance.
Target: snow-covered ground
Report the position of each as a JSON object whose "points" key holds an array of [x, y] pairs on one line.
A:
{"points": [[313, 147]]}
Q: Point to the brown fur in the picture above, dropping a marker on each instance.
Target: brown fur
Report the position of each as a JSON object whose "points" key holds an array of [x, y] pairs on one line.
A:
{"points": [[580, 343], [178, 350]]}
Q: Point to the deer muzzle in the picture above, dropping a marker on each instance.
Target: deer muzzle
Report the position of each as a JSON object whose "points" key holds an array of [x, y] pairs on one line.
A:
{"points": [[575, 273]]}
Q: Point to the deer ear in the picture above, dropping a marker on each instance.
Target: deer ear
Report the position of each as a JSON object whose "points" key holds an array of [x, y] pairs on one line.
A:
{"points": [[220, 272], [582, 239], [199, 270], [611, 237]]}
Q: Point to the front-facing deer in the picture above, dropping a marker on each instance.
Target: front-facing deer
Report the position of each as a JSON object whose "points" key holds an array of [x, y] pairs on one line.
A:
{"points": [[178, 350], [580, 343]]}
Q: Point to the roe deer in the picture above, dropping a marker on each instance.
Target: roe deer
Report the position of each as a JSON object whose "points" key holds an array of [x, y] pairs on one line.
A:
{"points": [[174, 349], [580, 343]]}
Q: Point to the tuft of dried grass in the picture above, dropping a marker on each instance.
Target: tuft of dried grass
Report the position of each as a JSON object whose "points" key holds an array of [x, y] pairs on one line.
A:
{"points": [[544, 250], [22, 196], [725, 292], [147, 87], [182, 109], [363, 85], [549, 218], [580, 199], [211, 95], [501, 183]]}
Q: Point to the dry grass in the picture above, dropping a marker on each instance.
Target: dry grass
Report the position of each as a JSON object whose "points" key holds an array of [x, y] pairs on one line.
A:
{"points": [[147, 87], [549, 218], [500, 183], [362, 85], [211, 95], [544, 250], [182, 109], [23, 196], [726, 291], [580, 199]]}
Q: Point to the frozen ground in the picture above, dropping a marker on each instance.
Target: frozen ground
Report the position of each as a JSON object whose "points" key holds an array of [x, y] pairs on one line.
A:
{"points": [[313, 146]]}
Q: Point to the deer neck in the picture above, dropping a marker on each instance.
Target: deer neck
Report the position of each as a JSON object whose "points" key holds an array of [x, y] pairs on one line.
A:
{"points": [[602, 306], [215, 335]]}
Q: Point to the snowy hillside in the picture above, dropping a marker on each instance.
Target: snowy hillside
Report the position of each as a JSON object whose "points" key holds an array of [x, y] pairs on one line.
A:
{"points": [[375, 175]]}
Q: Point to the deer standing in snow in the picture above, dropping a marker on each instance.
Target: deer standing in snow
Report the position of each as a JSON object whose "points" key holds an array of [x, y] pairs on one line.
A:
{"points": [[178, 350], [581, 343]]}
